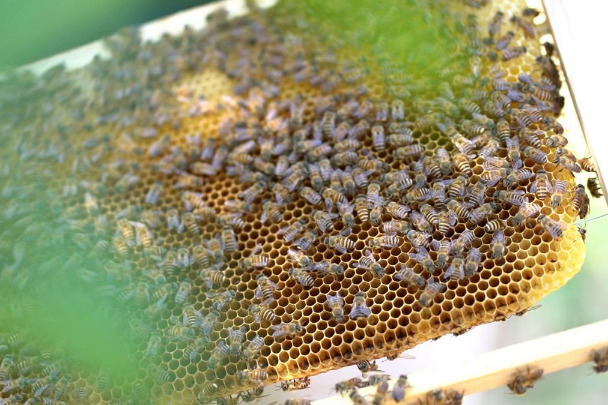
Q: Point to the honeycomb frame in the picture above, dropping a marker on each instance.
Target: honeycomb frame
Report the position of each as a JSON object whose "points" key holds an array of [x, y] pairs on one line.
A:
{"points": [[534, 264]]}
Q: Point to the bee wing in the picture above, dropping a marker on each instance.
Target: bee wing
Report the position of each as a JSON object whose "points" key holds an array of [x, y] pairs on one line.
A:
{"points": [[549, 187], [453, 218], [340, 248], [534, 186], [448, 273], [346, 232], [499, 237], [417, 256], [517, 164], [359, 310]]}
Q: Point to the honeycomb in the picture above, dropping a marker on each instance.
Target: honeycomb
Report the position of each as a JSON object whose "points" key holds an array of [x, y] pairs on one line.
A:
{"points": [[170, 177]]}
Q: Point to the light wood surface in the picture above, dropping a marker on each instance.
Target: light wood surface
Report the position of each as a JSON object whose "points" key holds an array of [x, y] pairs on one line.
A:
{"points": [[494, 369]]}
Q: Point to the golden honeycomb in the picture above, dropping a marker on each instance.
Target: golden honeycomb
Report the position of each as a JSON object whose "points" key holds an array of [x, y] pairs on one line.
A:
{"points": [[113, 150]]}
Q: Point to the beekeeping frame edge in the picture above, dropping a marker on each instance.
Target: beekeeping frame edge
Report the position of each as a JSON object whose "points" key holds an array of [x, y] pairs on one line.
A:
{"points": [[493, 369]]}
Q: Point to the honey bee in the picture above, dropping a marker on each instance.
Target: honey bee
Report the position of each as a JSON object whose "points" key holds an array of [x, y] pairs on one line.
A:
{"points": [[568, 163], [190, 223], [126, 230], [420, 194], [442, 248], [513, 154], [447, 219], [368, 262], [382, 110], [513, 52], [359, 308], [482, 212], [458, 187], [154, 346], [492, 177], [444, 160], [378, 138], [144, 236], [348, 181], [183, 291], [554, 228], [260, 313], [350, 384], [526, 211], [375, 215], [514, 197], [385, 241], [265, 289], [535, 154], [289, 232], [347, 158], [404, 138], [556, 141], [526, 26], [336, 306], [397, 110], [255, 260], [295, 384], [357, 398], [324, 220], [410, 277], [456, 269], [595, 189], [420, 221], [327, 268], [524, 379], [256, 376], [251, 193], [301, 276], [306, 240], [398, 392], [235, 337], [332, 197], [90, 204], [315, 176], [271, 211], [431, 167], [398, 210], [587, 165], [300, 258], [361, 208], [340, 242], [600, 358], [361, 177], [373, 193], [408, 151], [423, 257], [222, 351], [498, 246], [541, 186], [559, 189], [286, 330], [366, 366], [580, 201], [346, 212], [430, 292], [381, 393], [220, 300], [532, 138], [465, 239]]}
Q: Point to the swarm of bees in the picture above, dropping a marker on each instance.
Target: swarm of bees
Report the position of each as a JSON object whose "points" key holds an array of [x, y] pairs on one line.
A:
{"points": [[285, 196], [524, 379]]}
